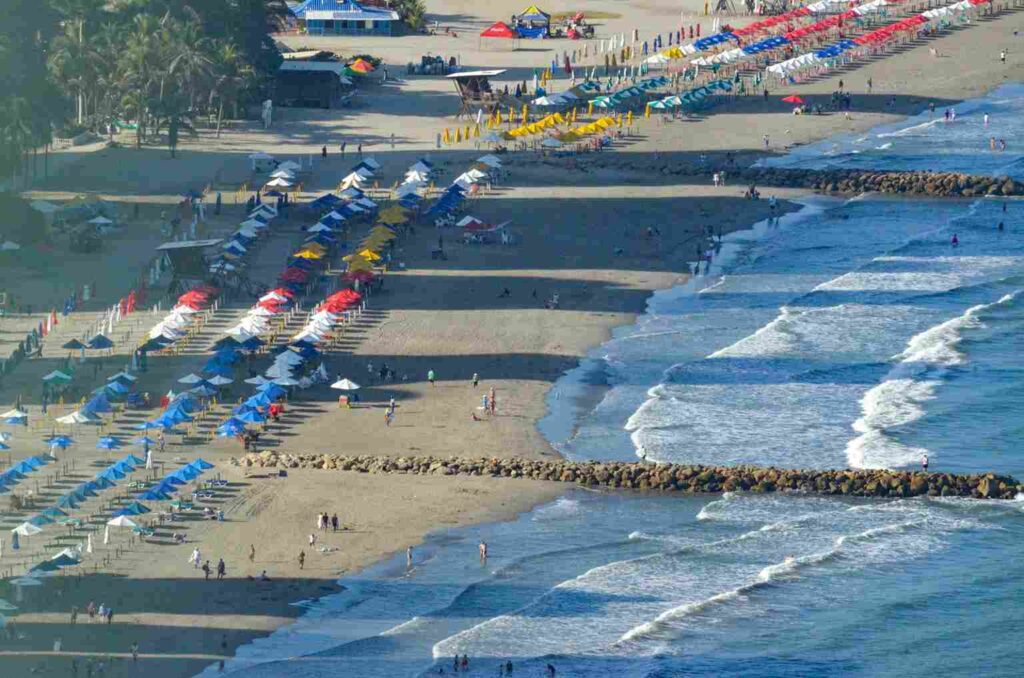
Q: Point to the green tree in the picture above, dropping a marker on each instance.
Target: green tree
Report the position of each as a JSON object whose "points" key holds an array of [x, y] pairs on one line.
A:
{"points": [[231, 77]]}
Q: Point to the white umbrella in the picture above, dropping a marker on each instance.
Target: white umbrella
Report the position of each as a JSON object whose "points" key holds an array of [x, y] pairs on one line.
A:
{"points": [[257, 380], [121, 521], [551, 142], [100, 221], [26, 581], [191, 378], [282, 174], [76, 417], [286, 381], [121, 375], [279, 183], [289, 165], [27, 529], [7, 607], [106, 534], [220, 381], [4, 437], [15, 414], [88, 543], [345, 385]]}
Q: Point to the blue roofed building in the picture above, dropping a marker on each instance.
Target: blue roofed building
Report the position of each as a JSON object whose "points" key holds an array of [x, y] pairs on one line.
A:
{"points": [[344, 17]]}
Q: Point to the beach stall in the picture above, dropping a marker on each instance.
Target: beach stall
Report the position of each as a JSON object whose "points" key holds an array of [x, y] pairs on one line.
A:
{"points": [[474, 88], [501, 32], [533, 22]]}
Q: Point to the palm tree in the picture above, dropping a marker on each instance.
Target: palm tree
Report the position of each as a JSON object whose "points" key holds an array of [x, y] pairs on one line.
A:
{"points": [[231, 75], [16, 132], [76, 14], [73, 62], [140, 66], [189, 57]]}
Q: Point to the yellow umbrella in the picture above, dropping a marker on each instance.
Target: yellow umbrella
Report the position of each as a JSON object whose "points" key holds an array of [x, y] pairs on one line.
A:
{"points": [[590, 108], [458, 135], [315, 247], [476, 132], [306, 254], [447, 136], [370, 255], [381, 229], [574, 114], [360, 265], [629, 118]]}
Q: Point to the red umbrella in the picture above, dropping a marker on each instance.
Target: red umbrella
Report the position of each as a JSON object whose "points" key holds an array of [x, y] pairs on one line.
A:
{"points": [[793, 99]]}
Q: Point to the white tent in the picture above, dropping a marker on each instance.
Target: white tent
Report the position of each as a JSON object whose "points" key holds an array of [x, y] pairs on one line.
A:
{"points": [[419, 166], [100, 221], [282, 174], [279, 183], [77, 417], [289, 165]]}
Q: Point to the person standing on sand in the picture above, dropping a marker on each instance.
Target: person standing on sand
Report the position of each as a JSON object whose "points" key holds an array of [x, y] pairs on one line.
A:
{"points": [[924, 463], [766, 142], [323, 152], [135, 652], [206, 570], [312, 539], [252, 553], [221, 569], [476, 379], [302, 560], [1002, 55], [492, 399], [388, 417], [334, 522], [870, 85], [195, 558], [74, 614], [430, 377], [408, 557]]}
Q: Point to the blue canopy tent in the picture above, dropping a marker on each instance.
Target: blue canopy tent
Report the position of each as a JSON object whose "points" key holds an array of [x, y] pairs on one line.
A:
{"points": [[116, 388], [60, 441], [231, 428], [155, 494], [103, 482], [68, 501], [533, 23], [132, 509]]}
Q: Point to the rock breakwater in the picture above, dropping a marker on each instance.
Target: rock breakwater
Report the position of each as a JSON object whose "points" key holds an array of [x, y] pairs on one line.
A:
{"points": [[662, 477], [933, 184]]}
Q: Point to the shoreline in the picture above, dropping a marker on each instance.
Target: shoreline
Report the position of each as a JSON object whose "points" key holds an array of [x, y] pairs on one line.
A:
{"points": [[418, 509]]}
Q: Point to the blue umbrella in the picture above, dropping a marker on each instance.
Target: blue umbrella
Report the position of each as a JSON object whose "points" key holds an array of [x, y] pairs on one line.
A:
{"points": [[202, 464], [54, 512], [68, 501], [154, 495], [60, 441], [147, 426], [24, 467], [117, 388], [103, 482], [258, 400], [100, 341], [4, 446], [173, 480], [85, 490], [132, 459], [252, 417], [108, 443], [144, 440], [186, 473]]}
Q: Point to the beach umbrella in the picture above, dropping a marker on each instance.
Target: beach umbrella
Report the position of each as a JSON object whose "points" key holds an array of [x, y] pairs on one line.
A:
{"points": [[793, 99], [57, 376], [73, 345], [108, 443], [252, 417], [27, 529], [60, 441], [220, 381], [103, 482], [258, 380], [191, 378], [154, 495], [6, 606], [147, 426], [25, 581], [144, 440], [100, 342], [202, 464], [4, 437], [345, 385], [122, 521]]}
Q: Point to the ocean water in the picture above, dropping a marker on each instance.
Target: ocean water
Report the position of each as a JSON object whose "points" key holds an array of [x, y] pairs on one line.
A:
{"points": [[850, 334]]}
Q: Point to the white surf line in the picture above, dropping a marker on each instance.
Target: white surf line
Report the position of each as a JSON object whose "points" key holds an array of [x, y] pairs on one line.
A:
{"points": [[899, 398]]}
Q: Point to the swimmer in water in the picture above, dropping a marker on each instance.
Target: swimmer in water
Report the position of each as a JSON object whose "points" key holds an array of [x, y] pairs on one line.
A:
{"points": [[955, 241], [1000, 225]]}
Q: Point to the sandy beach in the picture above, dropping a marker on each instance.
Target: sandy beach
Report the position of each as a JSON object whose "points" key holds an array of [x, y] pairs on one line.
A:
{"points": [[580, 234]]}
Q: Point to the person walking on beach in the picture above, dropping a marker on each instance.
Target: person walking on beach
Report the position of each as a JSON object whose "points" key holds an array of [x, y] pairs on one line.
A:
{"points": [[312, 539], [195, 558], [492, 399], [430, 377], [302, 559], [924, 463], [252, 553], [334, 522], [221, 569], [388, 417], [74, 614], [1002, 55], [206, 570], [767, 142], [323, 152], [476, 379]]}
